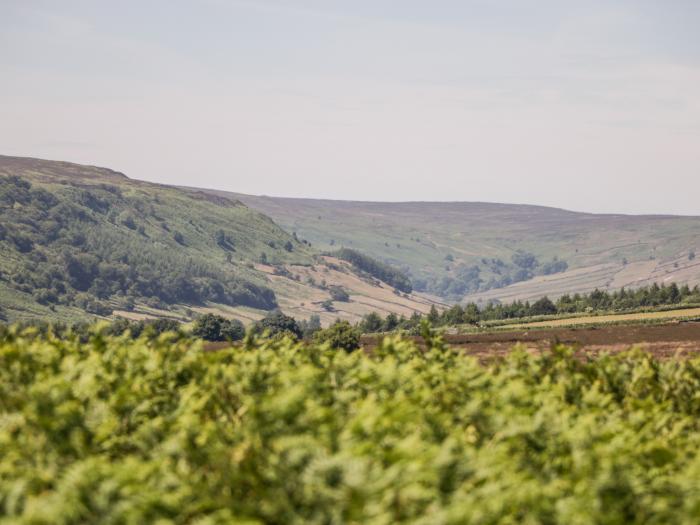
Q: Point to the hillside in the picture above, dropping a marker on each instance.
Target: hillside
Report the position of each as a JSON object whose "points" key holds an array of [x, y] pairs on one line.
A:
{"points": [[479, 251], [80, 241]]}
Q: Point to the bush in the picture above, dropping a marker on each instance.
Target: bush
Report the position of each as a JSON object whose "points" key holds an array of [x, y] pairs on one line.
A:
{"points": [[211, 327], [339, 294]]}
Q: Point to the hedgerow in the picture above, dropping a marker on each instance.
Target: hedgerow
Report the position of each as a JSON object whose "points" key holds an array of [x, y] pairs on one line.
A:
{"points": [[114, 430]]}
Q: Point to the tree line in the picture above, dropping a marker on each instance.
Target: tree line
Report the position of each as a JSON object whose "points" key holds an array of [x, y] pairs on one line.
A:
{"points": [[596, 301], [376, 269]]}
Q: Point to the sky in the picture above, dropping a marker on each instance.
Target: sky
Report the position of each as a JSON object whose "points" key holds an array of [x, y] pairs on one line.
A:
{"points": [[591, 106]]}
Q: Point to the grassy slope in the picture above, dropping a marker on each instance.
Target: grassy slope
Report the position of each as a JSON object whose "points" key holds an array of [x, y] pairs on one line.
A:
{"points": [[420, 235], [198, 217]]}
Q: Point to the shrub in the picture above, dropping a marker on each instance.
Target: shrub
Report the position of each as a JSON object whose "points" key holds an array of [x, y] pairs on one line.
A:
{"points": [[339, 294], [106, 429], [179, 238]]}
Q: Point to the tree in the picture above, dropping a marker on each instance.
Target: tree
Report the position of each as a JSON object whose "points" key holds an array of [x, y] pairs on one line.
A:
{"points": [[524, 260], [310, 327], [471, 314], [276, 323], [340, 335], [371, 323], [391, 322], [211, 327], [454, 315], [543, 306], [434, 315]]}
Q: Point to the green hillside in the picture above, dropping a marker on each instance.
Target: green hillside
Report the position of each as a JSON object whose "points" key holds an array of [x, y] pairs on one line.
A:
{"points": [[463, 249], [78, 239]]}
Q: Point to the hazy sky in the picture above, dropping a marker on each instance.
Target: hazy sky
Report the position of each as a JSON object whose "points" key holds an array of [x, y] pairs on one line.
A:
{"points": [[591, 105]]}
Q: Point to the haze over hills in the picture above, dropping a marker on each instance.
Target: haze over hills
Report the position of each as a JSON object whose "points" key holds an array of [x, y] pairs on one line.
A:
{"points": [[481, 251]]}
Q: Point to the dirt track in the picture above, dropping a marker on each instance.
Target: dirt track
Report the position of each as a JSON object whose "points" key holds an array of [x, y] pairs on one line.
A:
{"points": [[662, 340]]}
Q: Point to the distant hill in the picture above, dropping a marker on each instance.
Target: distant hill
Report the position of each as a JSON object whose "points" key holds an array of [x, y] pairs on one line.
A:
{"points": [[80, 241], [481, 251]]}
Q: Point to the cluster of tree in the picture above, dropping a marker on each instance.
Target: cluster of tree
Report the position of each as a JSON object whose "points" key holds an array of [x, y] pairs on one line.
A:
{"points": [[490, 273], [86, 246], [596, 301], [379, 270]]}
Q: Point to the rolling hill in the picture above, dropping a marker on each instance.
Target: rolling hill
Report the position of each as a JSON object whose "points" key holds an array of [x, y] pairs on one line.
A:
{"points": [[81, 241], [480, 251]]}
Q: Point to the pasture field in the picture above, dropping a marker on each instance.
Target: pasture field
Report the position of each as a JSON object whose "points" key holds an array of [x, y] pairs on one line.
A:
{"points": [[112, 430]]}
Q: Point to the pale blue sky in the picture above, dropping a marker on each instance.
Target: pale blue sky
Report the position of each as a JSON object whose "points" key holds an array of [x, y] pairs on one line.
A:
{"points": [[591, 106]]}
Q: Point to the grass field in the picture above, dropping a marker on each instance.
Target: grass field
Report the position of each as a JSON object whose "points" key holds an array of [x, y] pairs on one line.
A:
{"points": [[687, 313]]}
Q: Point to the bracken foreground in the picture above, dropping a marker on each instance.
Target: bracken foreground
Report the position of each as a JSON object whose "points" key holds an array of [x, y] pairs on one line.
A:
{"points": [[120, 431]]}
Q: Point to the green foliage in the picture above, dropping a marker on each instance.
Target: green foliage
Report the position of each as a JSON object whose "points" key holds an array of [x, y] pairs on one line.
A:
{"points": [[119, 431], [211, 327], [376, 269], [340, 335]]}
